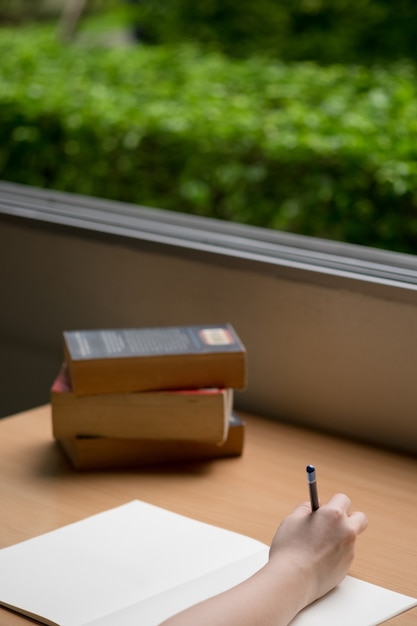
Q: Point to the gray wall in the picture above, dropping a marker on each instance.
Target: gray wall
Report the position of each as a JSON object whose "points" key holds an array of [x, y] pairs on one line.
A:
{"points": [[336, 354]]}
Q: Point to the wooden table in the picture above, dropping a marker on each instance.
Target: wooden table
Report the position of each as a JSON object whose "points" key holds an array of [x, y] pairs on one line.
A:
{"points": [[39, 491]]}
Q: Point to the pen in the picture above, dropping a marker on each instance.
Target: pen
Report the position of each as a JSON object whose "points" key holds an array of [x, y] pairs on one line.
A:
{"points": [[312, 485]]}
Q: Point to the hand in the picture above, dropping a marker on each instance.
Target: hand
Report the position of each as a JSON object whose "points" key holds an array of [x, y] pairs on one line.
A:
{"points": [[310, 554], [320, 544]]}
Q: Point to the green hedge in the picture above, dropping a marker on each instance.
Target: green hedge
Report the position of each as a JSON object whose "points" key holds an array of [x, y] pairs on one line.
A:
{"points": [[329, 152], [329, 31]]}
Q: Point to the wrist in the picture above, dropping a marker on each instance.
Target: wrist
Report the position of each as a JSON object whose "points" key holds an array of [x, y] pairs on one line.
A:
{"points": [[291, 580]]}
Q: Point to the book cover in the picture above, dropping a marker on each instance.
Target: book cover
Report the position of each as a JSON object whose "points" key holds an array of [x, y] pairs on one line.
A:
{"points": [[106, 453], [189, 415], [144, 359]]}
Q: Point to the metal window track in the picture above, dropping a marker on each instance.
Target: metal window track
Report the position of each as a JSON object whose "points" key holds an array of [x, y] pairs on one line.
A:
{"points": [[208, 235]]}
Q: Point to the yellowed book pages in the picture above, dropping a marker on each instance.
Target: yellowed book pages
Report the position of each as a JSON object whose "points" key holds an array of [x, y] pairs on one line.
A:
{"points": [[188, 415], [104, 453]]}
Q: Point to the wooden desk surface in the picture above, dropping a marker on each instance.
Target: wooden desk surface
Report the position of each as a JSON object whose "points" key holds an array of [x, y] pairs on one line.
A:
{"points": [[39, 491]]}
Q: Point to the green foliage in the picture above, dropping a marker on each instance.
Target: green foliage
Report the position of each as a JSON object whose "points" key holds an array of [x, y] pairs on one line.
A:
{"points": [[327, 151], [329, 31], [234, 28]]}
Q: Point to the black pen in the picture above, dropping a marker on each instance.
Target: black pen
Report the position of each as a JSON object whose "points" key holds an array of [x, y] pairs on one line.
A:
{"points": [[312, 485]]}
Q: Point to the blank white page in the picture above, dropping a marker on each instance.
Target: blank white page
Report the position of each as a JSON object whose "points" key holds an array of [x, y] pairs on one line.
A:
{"points": [[138, 564], [106, 562], [354, 603]]}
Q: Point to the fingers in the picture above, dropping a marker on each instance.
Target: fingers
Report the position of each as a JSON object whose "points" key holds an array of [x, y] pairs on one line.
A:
{"points": [[358, 521], [340, 501]]}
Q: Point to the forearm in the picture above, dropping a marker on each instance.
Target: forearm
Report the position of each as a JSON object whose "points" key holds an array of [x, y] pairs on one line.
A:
{"points": [[271, 597], [310, 554]]}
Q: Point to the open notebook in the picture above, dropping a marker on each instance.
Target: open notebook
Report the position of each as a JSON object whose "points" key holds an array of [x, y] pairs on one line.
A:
{"points": [[139, 564]]}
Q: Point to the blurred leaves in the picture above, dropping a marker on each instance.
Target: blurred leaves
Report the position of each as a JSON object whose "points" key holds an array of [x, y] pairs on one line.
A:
{"points": [[325, 151], [326, 31]]}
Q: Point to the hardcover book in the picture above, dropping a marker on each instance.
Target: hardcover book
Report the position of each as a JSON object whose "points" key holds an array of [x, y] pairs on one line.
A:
{"points": [[188, 415], [144, 359]]}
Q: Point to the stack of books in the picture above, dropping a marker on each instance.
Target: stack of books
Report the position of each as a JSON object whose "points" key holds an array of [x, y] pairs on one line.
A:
{"points": [[141, 396]]}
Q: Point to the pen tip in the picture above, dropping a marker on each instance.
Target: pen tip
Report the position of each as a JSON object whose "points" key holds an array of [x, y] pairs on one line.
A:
{"points": [[310, 469]]}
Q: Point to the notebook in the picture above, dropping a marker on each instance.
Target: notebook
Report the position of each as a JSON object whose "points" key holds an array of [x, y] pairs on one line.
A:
{"points": [[139, 564]]}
